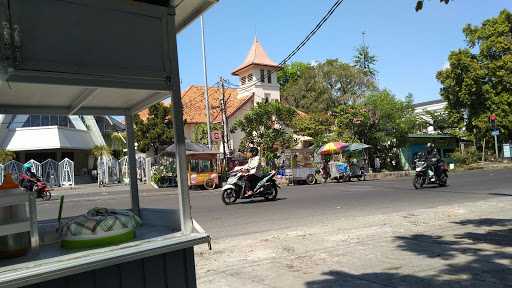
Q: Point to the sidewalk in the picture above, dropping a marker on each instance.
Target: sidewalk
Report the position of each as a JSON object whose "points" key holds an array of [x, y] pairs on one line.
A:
{"points": [[467, 245]]}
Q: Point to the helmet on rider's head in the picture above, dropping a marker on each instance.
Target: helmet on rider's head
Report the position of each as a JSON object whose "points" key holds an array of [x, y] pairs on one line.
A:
{"points": [[253, 151], [430, 145], [27, 167]]}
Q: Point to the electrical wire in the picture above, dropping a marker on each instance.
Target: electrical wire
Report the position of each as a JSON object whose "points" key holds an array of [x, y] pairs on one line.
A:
{"points": [[308, 37]]}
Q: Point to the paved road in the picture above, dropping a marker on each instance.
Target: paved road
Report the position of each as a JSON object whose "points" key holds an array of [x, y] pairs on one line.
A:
{"points": [[300, 205]]}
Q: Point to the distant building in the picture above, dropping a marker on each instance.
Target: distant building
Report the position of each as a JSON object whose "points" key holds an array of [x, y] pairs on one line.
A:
{"points": [[430, 106], [258, 82], [43, 137]]}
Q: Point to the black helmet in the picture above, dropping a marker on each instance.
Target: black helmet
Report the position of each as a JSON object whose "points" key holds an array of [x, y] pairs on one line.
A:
{"points": [[254, 151]]}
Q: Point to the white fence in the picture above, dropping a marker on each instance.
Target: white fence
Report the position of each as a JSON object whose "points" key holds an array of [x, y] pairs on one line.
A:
{"points": [[67, 172], [36, 168], [143, 169], [14, 168], [108, 170], [50, 172]]}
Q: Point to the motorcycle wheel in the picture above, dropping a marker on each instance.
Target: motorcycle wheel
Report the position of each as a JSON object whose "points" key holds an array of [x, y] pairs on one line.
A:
{"points": [[229, 196], [417, 182], [47, 196], [310, 179], [209, 184], [443, 180], [272, 197]]}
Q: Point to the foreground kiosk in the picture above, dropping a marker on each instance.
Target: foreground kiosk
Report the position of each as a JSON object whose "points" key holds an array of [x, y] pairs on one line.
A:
{"points": [[97, 57]]}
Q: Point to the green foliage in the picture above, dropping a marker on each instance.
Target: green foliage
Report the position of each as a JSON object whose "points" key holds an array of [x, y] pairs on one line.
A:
{"points": [[291, 72], [319, 126], [320, 87], [469, 156], [200, 132], [160, 171], [382, 121], [441, 121], [419, 4], [365, 61], [478, 80], [156, 132], [101, 150], [264, 126], [6, 156]]}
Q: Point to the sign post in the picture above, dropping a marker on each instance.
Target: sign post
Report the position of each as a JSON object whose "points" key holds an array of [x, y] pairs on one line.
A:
{"points": [[494, 132]]}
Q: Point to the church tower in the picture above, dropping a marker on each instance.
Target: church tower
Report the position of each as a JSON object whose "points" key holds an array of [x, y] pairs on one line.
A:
{"points": [[258, 75]]}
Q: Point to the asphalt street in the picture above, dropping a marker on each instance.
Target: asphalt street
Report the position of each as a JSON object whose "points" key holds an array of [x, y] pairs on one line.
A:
{"points": [[300, 205]]}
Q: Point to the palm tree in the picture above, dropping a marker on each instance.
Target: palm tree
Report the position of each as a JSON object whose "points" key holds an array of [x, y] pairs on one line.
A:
{"points": [[101, 151]]}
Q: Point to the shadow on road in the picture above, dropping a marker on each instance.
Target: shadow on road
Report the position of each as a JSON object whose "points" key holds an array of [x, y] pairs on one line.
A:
{"points": [[259, 200], [487, 250]]}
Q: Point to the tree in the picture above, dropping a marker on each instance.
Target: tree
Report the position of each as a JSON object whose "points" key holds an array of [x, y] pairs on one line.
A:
{"points": [[200, 132], [365, 61], [319, 126], [381, 120], [440, 121], [419, 4], [101, 151], [6, 156], [155, 132], [265, 126], [291, 72], [321, 87], [478, 81]]}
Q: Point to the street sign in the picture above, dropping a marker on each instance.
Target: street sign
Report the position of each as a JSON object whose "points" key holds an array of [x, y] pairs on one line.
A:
{"points": [[495, 132], [506, 151], [216, 135]]}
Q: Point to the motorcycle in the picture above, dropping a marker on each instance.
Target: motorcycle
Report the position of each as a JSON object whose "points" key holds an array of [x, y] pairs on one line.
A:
{"points": [[435, 172], [236, 185], [42, 190], [356, 171]]}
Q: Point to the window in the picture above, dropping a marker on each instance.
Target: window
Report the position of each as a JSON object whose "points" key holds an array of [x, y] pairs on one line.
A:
{"points": [[54, 120], [267, 97], [35, 120], [249, 78], [242, 80], [63, 121], [262, 76], [269, 76], [45, 120]]}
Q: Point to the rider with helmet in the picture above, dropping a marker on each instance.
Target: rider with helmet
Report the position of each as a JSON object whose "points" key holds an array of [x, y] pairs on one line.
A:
{"points": [[432, 158], [30, 178]]}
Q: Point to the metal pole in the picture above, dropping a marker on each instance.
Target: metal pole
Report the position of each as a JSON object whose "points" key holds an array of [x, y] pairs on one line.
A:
{"points": [[206, 100], [496, 146], [132, 164], [179, 134], [224, 112]]}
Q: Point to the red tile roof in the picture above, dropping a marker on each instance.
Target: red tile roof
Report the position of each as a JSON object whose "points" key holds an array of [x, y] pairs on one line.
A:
{"points": [[194, 107]]}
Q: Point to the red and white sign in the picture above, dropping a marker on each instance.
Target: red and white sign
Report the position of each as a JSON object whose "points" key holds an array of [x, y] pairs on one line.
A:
{"points": [[216, 135]]}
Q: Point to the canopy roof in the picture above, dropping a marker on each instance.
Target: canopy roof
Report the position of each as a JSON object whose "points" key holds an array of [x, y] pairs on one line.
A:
{"points": [[35, 95], [191, 148]]}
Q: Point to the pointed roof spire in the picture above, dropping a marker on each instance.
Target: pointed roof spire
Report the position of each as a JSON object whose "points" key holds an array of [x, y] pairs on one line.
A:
{"points": [[256, 56]]}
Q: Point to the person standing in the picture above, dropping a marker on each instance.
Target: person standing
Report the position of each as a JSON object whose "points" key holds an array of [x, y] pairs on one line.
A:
{"points": [[376, 164]]}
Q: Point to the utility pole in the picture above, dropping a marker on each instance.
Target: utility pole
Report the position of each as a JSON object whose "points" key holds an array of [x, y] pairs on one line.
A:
{"points": [[206, 99], [225, 138]]}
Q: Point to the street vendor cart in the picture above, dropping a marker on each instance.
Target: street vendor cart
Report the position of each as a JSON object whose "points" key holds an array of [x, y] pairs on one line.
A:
{"points": [[92, 57], [202, 165], [300, 166]]}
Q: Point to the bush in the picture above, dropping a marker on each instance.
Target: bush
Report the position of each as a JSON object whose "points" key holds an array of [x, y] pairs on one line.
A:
{"points": [[6, 156], [470, 156]]}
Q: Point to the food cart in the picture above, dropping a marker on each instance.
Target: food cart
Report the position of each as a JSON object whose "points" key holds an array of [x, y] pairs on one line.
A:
{"points": [[300, 166], [202, 165], [89, 57]]}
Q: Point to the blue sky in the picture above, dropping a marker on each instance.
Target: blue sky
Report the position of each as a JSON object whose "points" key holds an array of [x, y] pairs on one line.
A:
{"points": [[411, 47]]}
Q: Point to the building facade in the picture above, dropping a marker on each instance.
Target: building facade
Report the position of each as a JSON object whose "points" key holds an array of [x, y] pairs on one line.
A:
{"points": [[56, 137]]}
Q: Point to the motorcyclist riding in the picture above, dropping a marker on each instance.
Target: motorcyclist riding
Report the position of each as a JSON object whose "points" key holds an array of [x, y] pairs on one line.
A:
{"points": [[252, 170], [432, 157], [31, 177]]}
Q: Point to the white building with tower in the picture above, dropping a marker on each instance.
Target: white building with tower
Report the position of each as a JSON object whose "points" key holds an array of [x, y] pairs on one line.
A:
{"points": [[258, 82]]}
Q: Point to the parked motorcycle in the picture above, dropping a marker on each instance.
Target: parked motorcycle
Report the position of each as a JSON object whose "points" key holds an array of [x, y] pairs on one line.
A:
{"points": [[434, 171], [42, 190], [356, 171], [235, 188]]}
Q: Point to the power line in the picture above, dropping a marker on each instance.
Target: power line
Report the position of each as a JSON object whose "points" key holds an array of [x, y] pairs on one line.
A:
{"points": [[308, 37]]}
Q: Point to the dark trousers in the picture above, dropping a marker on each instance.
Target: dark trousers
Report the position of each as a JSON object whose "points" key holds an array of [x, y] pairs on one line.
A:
{"points": [[252, 180]]}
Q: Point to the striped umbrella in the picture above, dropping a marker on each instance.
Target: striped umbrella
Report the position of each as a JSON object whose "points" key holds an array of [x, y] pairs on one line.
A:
{"points": [[333, 148]]}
